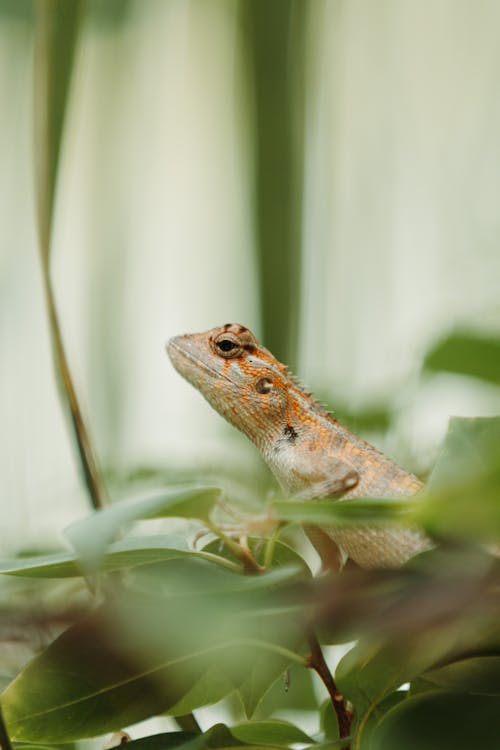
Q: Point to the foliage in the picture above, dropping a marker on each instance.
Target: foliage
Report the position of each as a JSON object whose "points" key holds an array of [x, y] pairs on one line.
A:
{"points": [[173, 627]]}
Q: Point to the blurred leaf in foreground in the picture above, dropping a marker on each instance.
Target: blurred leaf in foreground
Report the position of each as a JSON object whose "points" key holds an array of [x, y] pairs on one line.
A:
{"points": [[438, 721], [466, 353], [177, 635], [463, 495]]}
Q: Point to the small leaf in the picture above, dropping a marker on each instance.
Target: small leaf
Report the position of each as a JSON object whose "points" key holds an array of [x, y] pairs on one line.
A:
{"points": [[467, 353], [479, 675], [470, 449], [438, 721], [271, 731], [164, 741], [91, 536], [127, 553], [263, 672], [358, 510], [296, 693], [328, 721], [463, 496], [369, 673]]}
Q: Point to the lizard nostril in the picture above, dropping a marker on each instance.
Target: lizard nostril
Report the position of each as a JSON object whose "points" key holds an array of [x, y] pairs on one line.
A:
{"points": [[264, 385]]}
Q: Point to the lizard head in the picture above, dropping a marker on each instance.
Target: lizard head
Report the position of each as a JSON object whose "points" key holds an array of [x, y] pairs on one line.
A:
{"points": [[237, 375]]}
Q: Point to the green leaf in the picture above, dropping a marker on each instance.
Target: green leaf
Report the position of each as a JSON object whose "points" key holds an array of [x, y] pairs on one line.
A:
{"points": [[266, 668], [438, 721], [479, 675], [218, 736], [463, 496], [328, 721], [128, 553], [470, 449], [174, 636], [358, 510], [166, 741], [467, 353], [91, 536], [296, 693], [57, 32], [362, 731], [270, 731], [283, 554], [263, 672], [90, 681], [370, 672]]}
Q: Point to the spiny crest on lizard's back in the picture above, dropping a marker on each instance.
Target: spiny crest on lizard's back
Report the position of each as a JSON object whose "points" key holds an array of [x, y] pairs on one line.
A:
{"points": [[315, 404]]}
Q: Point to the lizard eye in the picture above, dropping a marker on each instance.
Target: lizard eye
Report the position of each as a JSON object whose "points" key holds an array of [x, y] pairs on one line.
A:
{"points": [[264, 385], [227, 346]]}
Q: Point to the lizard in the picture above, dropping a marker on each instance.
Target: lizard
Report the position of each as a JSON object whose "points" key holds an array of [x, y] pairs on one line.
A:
{"points": [[310, 453]]}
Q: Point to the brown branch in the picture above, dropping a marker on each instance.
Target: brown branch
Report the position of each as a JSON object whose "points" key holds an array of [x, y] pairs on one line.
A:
{"points": [[317, 662]]}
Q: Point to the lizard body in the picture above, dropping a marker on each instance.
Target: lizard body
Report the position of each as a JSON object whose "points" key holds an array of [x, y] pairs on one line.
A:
{"points": [[309, 452]]}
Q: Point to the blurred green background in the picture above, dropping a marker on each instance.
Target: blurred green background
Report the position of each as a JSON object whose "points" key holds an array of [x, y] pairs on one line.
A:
{"points": [[325, 172]]}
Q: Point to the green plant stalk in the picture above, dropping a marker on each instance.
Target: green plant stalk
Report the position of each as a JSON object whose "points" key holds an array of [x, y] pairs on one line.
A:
{"points": [[271, 544], [241, 553], [276, 43], [56, 34]]}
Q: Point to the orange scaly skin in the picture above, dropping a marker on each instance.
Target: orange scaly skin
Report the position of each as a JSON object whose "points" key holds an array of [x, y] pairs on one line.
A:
{"points": [[310, 453]]}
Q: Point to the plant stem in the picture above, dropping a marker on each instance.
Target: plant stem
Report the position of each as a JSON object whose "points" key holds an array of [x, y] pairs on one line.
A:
{"points": [[5, 742], [88, 463], [271, 544], [56, 34], [243, 554], [317, 662]]}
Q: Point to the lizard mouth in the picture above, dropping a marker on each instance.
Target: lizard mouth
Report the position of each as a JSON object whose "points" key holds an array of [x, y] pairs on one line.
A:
{"points": [[188, 363]]}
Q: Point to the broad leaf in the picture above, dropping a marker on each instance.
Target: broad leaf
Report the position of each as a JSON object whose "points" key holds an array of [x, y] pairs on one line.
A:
{"points": [[467, 353], [292, 691], [155, 648], [328, 720], [91, 536], [271, 731], [358, 510], [439, 720], [127, 553], [218, 736], [370, 672], [471, 448], [479, 675], [266, 668], [463, 497]]}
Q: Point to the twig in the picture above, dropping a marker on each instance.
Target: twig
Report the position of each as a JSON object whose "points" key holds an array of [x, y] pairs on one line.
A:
{"points": [[317, 662]]}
